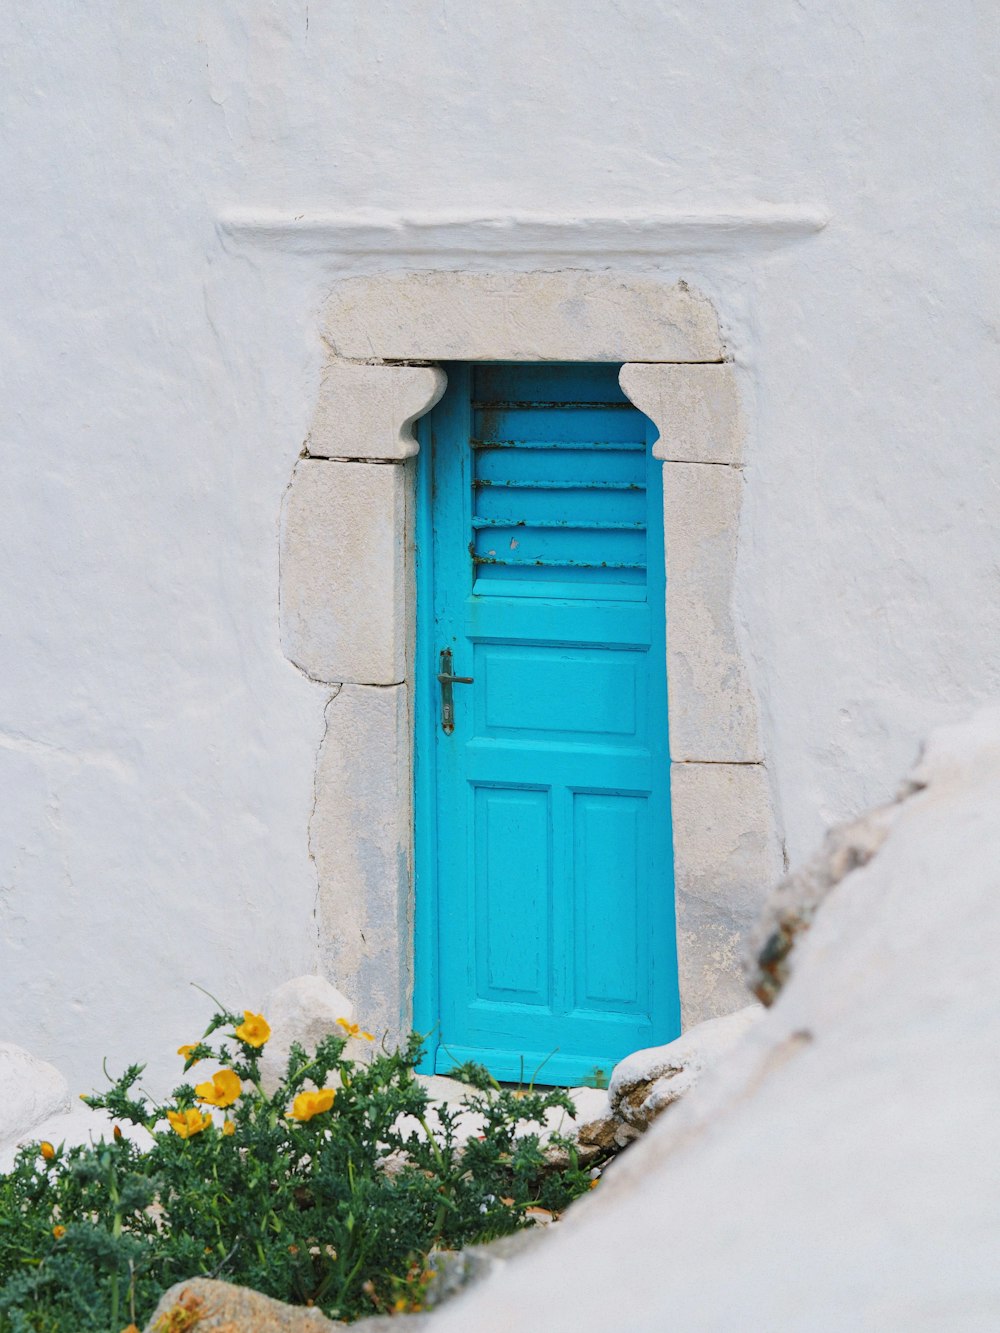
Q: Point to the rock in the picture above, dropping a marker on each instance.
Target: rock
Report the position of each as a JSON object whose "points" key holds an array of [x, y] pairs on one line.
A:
{"points": [[305, 1010], [840, 1168], [77, 1125], [609, 1134], [30, 1091], [232, 1309], [791, 906], [645, 1083], [456, 1269]]}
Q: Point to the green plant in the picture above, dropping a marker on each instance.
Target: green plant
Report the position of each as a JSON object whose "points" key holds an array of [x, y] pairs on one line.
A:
{"points": [[333, 1191]]}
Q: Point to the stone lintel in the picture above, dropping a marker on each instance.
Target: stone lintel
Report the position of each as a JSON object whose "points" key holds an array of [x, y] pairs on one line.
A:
{"points": [[571, 315]]}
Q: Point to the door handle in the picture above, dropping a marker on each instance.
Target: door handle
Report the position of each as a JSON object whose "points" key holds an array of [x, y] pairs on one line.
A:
{"points": [[447, 681]]}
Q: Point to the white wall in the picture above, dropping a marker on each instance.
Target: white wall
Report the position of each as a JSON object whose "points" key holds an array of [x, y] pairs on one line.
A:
{"points": [[158, 751]]}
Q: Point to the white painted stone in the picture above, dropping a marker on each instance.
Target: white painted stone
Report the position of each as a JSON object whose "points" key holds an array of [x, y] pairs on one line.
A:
{"points": [[303, 1010], [840, 1168], [342, 572], [369, 411], [30, 1091], [726, 857], [79, 1124], [589, 1103], [695, 408], [646, 1082], [713, 712], [570, 315], [359, 836]]}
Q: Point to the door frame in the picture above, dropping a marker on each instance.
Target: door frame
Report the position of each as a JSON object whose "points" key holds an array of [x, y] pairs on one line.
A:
{"points": [[426, 712], [349, 596]]}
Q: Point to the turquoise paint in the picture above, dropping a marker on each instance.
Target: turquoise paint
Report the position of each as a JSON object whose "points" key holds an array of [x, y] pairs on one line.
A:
{"points": [[545, 934]]}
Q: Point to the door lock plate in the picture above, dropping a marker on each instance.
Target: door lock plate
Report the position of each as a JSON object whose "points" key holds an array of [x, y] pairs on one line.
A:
{"points": [[447, 681]]}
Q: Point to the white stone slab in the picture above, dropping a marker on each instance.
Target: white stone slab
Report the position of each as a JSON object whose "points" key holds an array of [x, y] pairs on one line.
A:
{"points": [[696, 409], [304, 1010], [342, 571], [359, 837], [570, 315], [30, 1090], [369, 411], [713, 712], [726, 856]]}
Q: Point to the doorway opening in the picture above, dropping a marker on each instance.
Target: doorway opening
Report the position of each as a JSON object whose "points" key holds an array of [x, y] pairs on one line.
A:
{"points": [[545, 939]]}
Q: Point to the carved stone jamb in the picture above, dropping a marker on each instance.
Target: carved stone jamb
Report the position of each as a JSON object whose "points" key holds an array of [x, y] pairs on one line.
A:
{"points": [[345, 618], [726, 850]]}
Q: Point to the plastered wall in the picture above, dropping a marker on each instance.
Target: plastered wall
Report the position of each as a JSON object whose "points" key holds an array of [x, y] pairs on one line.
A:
{"points": [[166, 176]]}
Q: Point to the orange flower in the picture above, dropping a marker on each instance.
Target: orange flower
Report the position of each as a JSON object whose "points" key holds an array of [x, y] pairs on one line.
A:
{"points": [[117, 1133], [186, 1123], [223, 1089], [353, 1030], [308, 1104], [228, 1128], [47, 1150], [254, 1030], [58, 1232], [185, 1051]]}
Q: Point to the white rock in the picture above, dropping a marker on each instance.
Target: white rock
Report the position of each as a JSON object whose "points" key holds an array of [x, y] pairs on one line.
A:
{"points": [[30, 1090], [77, 1125], [305, 1010], [840, 1169], [647, 1082]]}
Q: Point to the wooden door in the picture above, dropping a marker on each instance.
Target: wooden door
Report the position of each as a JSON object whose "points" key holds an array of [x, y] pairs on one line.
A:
{"points": [[545, 911]]}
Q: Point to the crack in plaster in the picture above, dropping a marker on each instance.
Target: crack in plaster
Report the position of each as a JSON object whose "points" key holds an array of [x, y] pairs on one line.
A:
{"points": [[335, 691]]}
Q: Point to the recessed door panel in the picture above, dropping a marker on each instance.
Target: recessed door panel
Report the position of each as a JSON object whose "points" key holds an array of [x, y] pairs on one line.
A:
{"points": [[545, 918], [513, 885]]}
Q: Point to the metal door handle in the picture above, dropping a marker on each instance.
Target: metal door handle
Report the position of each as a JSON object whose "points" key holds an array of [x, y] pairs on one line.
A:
{"points": [[447, 681]]}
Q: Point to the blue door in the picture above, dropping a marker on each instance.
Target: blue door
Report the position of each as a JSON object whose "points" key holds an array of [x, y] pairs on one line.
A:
{"points": [[545, 933]]}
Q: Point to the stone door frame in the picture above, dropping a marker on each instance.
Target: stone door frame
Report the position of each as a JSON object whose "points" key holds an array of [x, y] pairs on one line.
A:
{"points": [[348, 597]]}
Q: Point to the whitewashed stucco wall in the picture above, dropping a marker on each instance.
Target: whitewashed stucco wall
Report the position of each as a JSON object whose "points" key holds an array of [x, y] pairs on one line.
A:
{"points": [[157, 749]]}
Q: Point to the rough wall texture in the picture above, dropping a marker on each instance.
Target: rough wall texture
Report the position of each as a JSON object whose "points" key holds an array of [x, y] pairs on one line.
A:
{"points": [[157, 749], [839, 1169]]}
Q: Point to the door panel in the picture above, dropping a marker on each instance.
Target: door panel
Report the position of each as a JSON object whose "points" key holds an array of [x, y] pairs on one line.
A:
{"points": [[545, 919]]}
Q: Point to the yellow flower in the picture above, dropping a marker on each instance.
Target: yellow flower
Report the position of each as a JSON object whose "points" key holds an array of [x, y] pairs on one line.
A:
{"points": [[308, 1104], [47, 1150], [228, 1128], [58, 1232], [353, 1030], [185, 1051], [186, 1123], [223, 1089], [254, 1029]]}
